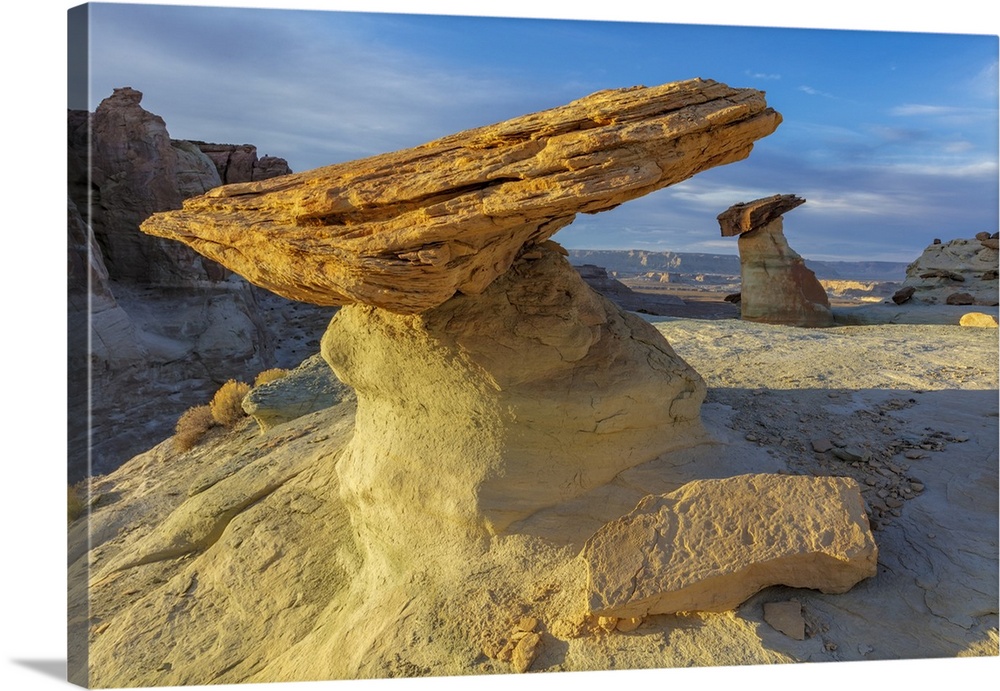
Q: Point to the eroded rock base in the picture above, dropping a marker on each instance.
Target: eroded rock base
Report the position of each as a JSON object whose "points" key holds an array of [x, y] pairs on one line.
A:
{"points": [[778, 288], [482, 411]]}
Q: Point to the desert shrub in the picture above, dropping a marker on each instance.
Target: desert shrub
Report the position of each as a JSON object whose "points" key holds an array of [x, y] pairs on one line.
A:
{"points": [[74, 504], [269, 375], [227, 404], [192, 426]]}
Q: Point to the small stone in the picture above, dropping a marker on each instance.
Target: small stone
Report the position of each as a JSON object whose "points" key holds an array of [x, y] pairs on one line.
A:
{"points": [[830, 645], [914, 455], [986, 321], [917, 486], [864, 649], [525, 652], [821, 445], [627, 624], [959, 299], [607, 623], [893, 503], [786, 617], [850, 454], [527, 624]]}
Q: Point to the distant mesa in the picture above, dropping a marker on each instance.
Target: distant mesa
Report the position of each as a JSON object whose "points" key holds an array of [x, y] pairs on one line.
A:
{"points": [[777, 287]]}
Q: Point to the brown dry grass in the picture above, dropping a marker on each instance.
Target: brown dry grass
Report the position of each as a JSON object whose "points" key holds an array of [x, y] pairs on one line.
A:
{"points": [[269, 375], [227, 404], [192, 426]]}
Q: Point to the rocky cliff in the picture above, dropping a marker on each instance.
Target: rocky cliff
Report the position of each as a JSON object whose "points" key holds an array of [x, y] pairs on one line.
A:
{"points": [[166, 325]]}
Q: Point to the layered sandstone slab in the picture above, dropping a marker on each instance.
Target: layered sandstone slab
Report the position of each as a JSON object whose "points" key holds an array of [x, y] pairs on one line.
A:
{"points": [[488, 408], [713, 543], [777, 287], [407, 230]]}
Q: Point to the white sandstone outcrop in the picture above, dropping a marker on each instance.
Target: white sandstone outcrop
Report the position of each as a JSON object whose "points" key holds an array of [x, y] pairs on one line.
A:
{"points": [[956, 272], [480, 412]]}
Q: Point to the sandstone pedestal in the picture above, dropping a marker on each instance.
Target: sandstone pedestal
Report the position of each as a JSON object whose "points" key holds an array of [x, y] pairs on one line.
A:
{"points": [[481, 411]]}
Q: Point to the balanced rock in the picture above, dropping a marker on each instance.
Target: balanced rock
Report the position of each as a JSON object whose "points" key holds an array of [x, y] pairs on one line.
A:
{"points": [[777, 287], [488, 408], [711, 544], [965, 267], [406, 231]]}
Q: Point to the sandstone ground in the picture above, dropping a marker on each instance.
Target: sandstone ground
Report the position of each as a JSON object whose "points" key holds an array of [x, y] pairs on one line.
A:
{"points": [[243, 546]]}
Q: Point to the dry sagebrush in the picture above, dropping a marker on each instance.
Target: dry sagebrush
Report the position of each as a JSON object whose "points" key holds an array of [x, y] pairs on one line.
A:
{"points": [[227, 404], [192, 426], [269, 375]]}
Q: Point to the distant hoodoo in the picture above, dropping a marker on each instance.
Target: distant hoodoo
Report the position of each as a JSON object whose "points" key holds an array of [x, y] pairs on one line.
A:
{"points": [[777, 287]]}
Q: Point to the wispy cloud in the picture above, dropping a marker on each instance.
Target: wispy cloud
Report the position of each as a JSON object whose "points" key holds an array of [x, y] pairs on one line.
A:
{"points": [[814, 92], [923, 109], [762, 75]]}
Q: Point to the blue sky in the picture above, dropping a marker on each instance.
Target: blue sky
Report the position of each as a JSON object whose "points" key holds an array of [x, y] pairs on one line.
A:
{"points": [[890, 136]]}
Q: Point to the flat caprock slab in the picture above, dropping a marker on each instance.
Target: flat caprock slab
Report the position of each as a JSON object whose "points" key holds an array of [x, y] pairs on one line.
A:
{"points": [[711, 544], [407, 230]]}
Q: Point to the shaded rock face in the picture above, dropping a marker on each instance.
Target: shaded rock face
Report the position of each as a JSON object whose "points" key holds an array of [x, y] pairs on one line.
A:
{"points": [[777, 287], [136, 170], [309, 387], [482, 411], [154, 328], [239, 162], [405, 231], [713, 543], [954, 268]]}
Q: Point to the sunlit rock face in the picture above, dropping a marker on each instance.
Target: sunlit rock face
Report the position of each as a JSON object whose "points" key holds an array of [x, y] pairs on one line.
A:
{"points": [[405, 231], [481, 411], [777, 286], [713, 543]]}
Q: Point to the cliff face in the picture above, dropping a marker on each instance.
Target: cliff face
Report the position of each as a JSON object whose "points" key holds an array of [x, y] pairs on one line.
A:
{"points": [[157, 326]]}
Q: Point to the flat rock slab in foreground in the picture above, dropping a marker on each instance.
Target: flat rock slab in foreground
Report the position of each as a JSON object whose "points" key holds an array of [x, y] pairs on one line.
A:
{"points": [[407, 230], [713, 543]]}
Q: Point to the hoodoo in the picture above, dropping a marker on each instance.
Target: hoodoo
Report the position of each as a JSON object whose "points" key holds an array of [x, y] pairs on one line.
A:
{"points": [[777, 287], [491, 380]]}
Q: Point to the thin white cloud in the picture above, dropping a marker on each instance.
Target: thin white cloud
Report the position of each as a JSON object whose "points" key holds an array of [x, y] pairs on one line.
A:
{"points": [[814, 92], [762, 75], [923, 109]]}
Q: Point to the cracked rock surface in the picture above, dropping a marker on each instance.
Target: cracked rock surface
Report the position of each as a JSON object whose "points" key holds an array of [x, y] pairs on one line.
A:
{"points": [[407, 230]]}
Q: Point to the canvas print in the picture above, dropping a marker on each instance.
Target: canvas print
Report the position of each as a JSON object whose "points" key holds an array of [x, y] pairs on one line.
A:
{"points": [[412, 345]]}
